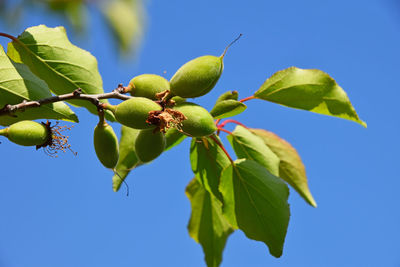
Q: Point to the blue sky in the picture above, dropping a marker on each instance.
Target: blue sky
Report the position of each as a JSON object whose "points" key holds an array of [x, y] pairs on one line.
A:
{"points": [[62, 212]]}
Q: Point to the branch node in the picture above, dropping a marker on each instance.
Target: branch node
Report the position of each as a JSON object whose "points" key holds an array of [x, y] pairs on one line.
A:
{"points": [[77, 92]]}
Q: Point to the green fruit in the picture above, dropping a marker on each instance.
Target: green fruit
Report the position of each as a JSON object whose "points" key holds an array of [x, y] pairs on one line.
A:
{"points": [[178, 99], [106, 145], [199, 122], [197, 77], [134, 112], [27, 133], [149, 145], [148, 85]]}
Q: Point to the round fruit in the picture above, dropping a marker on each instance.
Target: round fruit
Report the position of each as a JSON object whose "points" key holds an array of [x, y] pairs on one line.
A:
{"points": [[134, 112], [199, 122], [27, 133], [149, 145], [106, 145], [197, 77], [148, 85]]}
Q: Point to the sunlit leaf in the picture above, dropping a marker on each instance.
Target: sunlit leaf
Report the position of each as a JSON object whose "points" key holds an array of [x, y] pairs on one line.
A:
{"points": [[63, 66], [208, 160], [18, 83], [255, 201], [127, 156], [250, 146], [207, 225], [227, 108], [291, 167], [308, 89]]}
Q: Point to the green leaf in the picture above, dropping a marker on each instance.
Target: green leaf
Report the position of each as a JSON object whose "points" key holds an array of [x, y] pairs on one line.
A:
{"points": [[173, 138], [308, 89], [74, 11], [208, 160], [63, 66], [207, 224], [250, 146], [18, 83], [228, 95], [127, 156], [125, 19], [255, 201], [227, 108], [291, 168]]}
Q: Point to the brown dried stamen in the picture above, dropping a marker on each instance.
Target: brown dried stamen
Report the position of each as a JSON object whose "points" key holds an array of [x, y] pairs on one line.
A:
{"points": [[166, 119], [56, 141]]}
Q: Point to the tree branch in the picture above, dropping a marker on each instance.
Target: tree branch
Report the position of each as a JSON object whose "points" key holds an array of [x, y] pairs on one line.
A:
{"points": [[117, 93]]}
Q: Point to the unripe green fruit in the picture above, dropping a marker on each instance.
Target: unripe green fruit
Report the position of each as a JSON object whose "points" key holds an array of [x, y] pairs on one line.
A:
{"points": [[149, 145], [27, 133], [148, 85], [199, 122], [106, 145], [197, 77], [134, 112]]}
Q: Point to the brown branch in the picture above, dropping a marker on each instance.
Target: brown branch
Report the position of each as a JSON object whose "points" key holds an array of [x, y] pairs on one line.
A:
{"points": [[77, 94]]}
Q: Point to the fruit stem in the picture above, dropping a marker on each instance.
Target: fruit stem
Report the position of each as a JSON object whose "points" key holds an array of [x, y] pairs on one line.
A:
{"points": [[229, 45], [226, 131], [102, 122], [4, 131], [247, 98], [222, 125], [108, 106], [221, 146]]}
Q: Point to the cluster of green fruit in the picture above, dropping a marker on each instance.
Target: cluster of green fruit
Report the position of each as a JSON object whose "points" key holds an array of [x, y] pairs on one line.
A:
{"points": [[158, 105]]}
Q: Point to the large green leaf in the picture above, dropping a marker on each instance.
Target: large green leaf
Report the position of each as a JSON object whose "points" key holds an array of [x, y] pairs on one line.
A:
{"points": [[63, 66], [227, 108], [208, 160], [18, 83], [255, 201], [127, 156], [308, 89], [207, 224], [125, 19], [250, 146], [291, 168]]}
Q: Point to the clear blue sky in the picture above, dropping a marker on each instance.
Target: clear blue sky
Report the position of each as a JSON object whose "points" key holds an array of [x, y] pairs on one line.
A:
{"points": [[62, 212]]}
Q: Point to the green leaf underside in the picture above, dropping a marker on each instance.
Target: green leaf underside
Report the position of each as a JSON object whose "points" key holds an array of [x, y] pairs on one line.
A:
{"points": [[63, 66], [173, 138], [308, 89], [208, 160], [291, 167], [227, 108], [18, 83], [127, 156], [255, 201], [124, 18], [250, 146], [207, 224]]}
